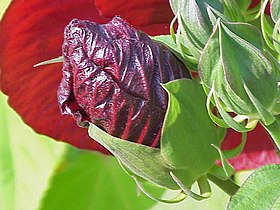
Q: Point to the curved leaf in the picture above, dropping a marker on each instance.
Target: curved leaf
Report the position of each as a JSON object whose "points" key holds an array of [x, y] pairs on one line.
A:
{"points": [[188, 131], [260, 191], [275, 10]]}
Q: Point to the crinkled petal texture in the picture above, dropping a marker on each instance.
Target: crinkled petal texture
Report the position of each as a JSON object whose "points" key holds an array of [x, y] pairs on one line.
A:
{"points": [[32, 31], [112, 77]]}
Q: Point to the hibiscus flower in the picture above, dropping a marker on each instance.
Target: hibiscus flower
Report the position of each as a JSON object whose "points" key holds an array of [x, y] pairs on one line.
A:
{"points": [[32, 31]]}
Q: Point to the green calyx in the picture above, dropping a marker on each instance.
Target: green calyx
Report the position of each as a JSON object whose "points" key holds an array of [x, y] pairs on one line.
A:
{"points": [[242, 78], [194, 26], [239, 75], [187, 134]]}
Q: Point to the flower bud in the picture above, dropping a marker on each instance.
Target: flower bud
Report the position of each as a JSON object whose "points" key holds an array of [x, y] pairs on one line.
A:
{"points": [[243, 78], [194, 24], [112, 77]]}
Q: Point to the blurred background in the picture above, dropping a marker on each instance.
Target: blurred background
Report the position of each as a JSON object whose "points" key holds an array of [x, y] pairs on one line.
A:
{"points": [[37, 172]]}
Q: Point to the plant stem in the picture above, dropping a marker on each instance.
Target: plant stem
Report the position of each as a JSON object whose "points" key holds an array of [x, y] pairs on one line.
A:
{"points": [[228, 186], [274, 130]]}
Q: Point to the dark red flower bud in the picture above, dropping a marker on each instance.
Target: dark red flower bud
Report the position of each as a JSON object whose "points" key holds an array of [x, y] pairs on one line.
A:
{"points": [[112, 77]]}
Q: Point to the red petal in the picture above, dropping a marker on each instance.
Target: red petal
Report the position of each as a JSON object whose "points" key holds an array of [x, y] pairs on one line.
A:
{"points": [[151, 16], [31, 32], [259, 149], [254, 3]]}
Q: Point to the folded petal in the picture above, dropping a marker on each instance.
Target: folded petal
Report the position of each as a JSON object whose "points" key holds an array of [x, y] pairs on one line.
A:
{"points": [[151, 16]]}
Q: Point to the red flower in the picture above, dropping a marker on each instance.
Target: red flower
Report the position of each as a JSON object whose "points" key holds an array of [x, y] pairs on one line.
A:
{"points": [[32, 31]]}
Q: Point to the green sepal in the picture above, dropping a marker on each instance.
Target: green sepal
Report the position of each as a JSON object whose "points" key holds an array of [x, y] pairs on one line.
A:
{"points": [[219, 172], [141, 160], [239, 11], [168, 41], [59, 59], [205, 193], [237, 150], [225, 172], [275, 10], [214, 15], [190, 61], [266, 117], [141, 185], [234, 10], [228, 169], [276, 36], [194, 23], [227, 185], [204, 186], [219, 121], [175, 46], [234, 78], [275, 15], [228, 119], [252, 14], [188, 131], [266, 27]]}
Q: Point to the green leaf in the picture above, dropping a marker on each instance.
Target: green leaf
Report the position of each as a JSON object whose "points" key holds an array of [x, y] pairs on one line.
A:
{"points": [[145, 162], [265, 115], [276, 36], [214, 15], [275, 10], [89, 180], [266, 27], [260, 191], [228, 119], [188, 131], [233, 10]]}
